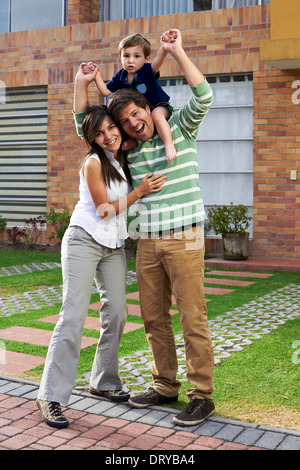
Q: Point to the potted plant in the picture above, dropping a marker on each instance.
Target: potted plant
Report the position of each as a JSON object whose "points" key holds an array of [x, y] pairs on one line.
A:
{"points": [[231, 222]]}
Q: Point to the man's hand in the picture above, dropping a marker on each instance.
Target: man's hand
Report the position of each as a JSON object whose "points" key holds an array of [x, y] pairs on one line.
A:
{"points": [[171, 40]]}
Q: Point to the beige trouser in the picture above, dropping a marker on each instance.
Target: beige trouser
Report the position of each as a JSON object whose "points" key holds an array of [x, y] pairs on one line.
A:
{"points": [[176, 263], [83, 261]]}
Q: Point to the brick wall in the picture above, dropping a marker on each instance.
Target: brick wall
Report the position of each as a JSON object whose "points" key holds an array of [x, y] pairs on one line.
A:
{"points": [[276, 153], [83, 11], [219, 42]]}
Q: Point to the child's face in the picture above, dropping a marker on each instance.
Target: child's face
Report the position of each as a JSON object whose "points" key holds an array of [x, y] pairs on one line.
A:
{"points": [[133, 59]]}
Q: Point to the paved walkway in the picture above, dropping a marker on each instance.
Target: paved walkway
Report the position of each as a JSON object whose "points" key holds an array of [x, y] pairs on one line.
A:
{"points": [[99, 424]]}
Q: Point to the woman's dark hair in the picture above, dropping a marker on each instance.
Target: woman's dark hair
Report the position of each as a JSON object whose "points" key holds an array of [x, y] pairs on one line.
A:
{"points": [[91, 123]]}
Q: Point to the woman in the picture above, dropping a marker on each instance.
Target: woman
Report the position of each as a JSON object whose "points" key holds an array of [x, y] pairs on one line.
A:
{"points": [[92, 249]]}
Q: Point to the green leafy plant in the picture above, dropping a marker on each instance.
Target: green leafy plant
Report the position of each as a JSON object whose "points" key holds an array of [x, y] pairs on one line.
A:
{"points": [[229, 219], [3, 223], [59, 221]]}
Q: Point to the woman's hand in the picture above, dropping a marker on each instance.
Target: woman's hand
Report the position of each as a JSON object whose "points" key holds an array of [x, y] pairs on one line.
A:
{"points": [[86, 73], [150, 184]]}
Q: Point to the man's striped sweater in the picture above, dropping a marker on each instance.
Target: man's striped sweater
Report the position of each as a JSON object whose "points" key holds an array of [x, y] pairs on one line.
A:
{"points": [[180, 202]]}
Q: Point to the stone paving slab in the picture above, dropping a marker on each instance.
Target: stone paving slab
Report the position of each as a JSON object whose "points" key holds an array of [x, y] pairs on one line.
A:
{"points": [[228, 282], [92, 323], [98, 424], [14, 363], [36, 336], [241, 274]]}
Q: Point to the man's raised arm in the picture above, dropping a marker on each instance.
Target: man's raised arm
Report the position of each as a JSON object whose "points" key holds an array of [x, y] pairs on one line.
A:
{"points": [[189, 69]]}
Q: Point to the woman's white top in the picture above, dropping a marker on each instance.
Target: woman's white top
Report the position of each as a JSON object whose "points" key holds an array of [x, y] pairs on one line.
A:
{"points": [[112, 233]]}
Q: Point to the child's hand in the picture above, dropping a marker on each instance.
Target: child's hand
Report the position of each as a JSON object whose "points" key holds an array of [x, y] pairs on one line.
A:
{"points": [[88, 68], [169, 36]]}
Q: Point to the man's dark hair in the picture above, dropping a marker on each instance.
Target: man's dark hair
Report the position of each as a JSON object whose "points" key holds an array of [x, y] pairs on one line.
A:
{"points": [[123, 98]]}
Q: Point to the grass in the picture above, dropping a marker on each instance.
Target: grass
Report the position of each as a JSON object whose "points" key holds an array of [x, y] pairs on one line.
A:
{"points": [[259, 384], [20, 257]]}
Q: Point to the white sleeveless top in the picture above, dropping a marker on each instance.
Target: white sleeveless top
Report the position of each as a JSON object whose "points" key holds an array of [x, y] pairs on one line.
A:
{"points": [[112, 233]]}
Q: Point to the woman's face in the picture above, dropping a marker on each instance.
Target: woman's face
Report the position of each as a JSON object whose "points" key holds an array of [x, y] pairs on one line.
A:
{"points": [[109, 136]]}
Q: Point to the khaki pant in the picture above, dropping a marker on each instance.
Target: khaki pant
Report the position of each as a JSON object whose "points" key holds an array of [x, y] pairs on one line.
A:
{"points": [[176, 263]]}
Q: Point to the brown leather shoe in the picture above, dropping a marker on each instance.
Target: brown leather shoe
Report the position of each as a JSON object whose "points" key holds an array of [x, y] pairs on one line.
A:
{"points": [[150, 398], [196, 412]]}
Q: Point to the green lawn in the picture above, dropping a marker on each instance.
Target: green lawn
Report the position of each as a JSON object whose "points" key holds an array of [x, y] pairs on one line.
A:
{"points": [[259, 384]]}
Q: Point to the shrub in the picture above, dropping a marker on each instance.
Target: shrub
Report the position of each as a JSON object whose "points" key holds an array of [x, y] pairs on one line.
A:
{"points": [[16, 234], [33, 232], [229, 219], [59, 221], [3, 223]]}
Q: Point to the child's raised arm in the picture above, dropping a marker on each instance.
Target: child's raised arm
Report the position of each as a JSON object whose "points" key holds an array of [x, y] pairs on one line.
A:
{"points": [[162, 52], [100, 84]]}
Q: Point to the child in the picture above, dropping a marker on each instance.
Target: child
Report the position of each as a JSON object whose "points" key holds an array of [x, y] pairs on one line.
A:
{"points": [[139, 74]]}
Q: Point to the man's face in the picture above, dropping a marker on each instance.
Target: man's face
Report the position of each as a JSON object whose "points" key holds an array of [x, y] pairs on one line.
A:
{"points": [[137, 122]]}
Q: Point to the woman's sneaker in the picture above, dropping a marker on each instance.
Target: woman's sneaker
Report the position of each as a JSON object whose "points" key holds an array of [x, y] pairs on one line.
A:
{"points": [[116, 396], [52, 414]]}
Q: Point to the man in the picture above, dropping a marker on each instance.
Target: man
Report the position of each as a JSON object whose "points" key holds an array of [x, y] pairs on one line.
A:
{"points": [[171, 246]]}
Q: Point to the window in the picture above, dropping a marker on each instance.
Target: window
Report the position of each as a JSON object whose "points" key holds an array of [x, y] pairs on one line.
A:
{"points": [[216, 4], [225, 139], [23, 15], [121, 9], [23, 154]]}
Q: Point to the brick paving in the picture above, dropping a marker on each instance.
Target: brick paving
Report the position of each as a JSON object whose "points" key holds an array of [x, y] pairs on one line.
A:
{"points": [[98, 424]]}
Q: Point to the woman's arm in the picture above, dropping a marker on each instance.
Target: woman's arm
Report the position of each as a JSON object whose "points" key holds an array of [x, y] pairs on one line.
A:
{"points": [[82, 81], [106, 210]]}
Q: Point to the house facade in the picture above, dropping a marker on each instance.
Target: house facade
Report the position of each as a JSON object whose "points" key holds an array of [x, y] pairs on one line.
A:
{"points": [[248, 146]]}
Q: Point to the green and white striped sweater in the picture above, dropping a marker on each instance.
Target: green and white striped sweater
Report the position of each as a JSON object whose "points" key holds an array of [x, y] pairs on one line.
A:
{"points": [[180, 202]]}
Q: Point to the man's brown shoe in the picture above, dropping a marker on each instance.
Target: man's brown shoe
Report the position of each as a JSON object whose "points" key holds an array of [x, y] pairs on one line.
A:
{"points": [[150, 398], [196, 412]]}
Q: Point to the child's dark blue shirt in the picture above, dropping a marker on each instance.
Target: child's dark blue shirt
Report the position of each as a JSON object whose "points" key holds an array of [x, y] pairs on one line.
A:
{"points": [[144, 81]]}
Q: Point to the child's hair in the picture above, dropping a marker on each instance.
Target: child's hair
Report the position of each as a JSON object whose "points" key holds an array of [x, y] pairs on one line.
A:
{"points": [[136, 40], [92, 121]]}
